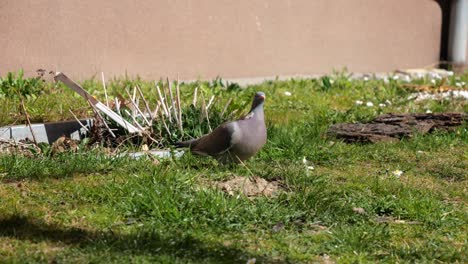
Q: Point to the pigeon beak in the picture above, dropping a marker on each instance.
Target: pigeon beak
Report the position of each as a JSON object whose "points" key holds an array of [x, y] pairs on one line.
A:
{"points": [[262, 96]]}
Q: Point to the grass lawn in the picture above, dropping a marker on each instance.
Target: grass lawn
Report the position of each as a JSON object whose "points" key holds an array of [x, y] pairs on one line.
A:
{"points": [[351, 207]]}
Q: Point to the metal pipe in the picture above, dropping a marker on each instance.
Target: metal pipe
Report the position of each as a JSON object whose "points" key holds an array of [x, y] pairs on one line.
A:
{"points": [[458, 31]]}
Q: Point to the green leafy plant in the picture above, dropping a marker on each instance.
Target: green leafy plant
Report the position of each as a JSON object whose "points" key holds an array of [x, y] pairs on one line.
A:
{"points": [[15, 85]]}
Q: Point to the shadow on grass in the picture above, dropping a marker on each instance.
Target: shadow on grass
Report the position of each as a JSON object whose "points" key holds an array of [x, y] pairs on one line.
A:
{"points": [[179, 246]]}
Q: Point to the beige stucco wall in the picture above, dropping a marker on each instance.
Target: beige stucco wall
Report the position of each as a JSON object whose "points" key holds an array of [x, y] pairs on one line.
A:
{"points": [[206, 38]]}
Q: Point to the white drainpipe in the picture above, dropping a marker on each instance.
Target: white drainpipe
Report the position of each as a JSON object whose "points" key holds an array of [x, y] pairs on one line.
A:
{"points": [[458, 32]]}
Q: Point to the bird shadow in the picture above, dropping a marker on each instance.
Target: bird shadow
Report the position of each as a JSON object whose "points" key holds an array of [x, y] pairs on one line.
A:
{"points": [[179, 246]]}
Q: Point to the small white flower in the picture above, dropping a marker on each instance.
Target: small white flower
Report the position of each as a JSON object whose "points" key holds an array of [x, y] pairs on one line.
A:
{"points": [[359, 210], [428, 111], [419, 75], [433, 81], [369, 104], [407, 78], [385, 79], [458, 84], [359, 102], [332, 81], [450, 73], [287, 93], [396, 77], [365, 78], [252, 261], [308, 167], [388, 102], [463, 84], [436, 76], [397, 173], [382, 105]]}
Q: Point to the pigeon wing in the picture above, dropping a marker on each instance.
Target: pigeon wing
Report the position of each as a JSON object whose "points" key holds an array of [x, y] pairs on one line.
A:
{"points": [[215, 142]]}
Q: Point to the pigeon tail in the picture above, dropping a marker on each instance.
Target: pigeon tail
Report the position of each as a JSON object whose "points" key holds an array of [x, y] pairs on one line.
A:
{"points": [[186, 144]]}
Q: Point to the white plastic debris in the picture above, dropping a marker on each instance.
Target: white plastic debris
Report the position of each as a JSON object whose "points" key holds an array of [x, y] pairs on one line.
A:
{"points": [[438, 96]]}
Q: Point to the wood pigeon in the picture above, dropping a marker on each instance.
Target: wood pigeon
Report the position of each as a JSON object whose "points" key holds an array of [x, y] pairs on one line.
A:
{"points": [[234, 141]]}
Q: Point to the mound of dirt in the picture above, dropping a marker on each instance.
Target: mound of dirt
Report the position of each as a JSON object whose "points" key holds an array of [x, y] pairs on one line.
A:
{"points": [[250, 187]]}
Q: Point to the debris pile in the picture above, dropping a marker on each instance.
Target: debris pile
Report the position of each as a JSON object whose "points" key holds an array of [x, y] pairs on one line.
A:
{"points": [[9, 146], [392, 127], [123, 121]]}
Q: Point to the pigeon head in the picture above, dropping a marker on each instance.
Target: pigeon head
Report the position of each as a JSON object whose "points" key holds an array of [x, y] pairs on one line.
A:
{"points": [[258, 100]]}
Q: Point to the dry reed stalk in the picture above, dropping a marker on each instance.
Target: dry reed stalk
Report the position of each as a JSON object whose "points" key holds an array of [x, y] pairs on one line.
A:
{"points": [[179, 109], [134, 94], [161, 100], [210, 102], [162, 119], [138, 110], [79, 122], [174, 110], [194, 103], [117, 105], [204, 110], [164, 91], [146, 102], [155, 112], [226, 107], [133, 99], [134, 120], [105, 89]]}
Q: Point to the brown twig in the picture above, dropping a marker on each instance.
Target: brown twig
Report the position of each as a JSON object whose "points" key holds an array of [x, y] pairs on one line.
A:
{"points": [[28, 120]]}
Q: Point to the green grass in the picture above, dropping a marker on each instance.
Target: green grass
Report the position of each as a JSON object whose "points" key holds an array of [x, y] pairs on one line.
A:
{"points": [[88, 207]]}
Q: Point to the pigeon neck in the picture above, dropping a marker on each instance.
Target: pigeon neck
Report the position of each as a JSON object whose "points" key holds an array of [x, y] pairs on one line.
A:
{"points": [[257, 110]]}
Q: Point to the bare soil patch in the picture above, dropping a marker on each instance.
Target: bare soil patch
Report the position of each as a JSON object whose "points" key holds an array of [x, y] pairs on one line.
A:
{"points": [[250, 186]]}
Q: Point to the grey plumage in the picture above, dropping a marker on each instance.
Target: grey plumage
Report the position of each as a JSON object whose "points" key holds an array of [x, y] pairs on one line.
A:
{"points": [[234, 141]]}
